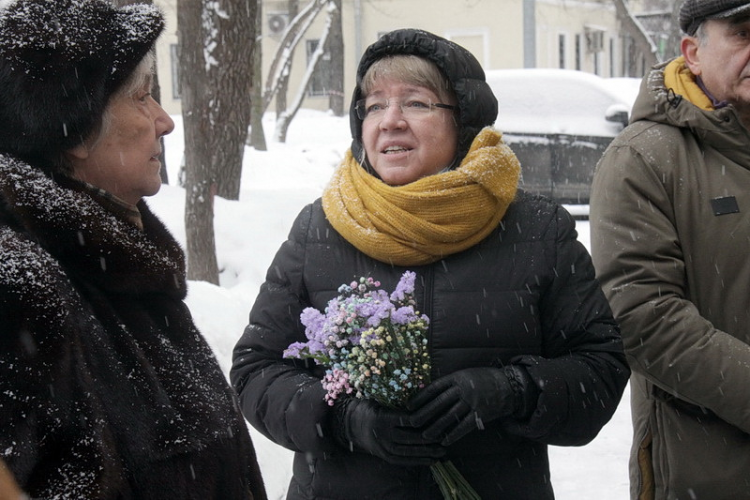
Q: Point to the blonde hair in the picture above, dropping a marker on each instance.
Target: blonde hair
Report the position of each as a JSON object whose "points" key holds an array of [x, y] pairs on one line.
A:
{"points": [[410, 69]]}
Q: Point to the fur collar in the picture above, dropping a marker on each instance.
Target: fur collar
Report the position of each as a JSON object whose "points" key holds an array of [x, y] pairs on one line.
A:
{"points": [[89, 241]]}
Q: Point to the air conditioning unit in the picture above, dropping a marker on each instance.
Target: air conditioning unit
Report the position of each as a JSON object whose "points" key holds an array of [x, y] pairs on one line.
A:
{"points": [[277, 22]]}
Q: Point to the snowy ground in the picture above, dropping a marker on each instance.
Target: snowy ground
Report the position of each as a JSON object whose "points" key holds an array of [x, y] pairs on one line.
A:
{"points": [[276, 184]]}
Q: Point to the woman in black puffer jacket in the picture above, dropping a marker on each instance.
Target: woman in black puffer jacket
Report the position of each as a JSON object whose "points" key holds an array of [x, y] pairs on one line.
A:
{"points": [[524, 349]]}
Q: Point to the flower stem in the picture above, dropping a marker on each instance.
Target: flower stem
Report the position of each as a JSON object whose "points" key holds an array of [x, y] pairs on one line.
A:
{"points": [[452, 483]]}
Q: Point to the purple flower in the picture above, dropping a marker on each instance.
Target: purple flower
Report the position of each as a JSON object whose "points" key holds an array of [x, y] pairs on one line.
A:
{"points": [[293, 351], [403, 315], [313, 321], [405, 287]]}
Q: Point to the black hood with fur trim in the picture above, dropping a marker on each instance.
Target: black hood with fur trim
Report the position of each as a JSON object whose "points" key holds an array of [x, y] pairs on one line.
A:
{"points": [[477, 105], [60, 61]]}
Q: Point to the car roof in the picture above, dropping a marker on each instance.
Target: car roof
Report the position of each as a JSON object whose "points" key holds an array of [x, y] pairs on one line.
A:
{"points": [[555, 101]]}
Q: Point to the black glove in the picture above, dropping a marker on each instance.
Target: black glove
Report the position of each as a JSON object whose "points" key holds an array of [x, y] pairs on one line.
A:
{"points": [[367, 426], [456, 404]]}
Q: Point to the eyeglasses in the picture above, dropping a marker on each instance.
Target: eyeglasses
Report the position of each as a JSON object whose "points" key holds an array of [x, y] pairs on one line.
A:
{"points": [[413, 108]]}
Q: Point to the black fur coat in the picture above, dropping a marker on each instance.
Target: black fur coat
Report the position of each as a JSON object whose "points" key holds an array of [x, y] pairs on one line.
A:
{"points": [[107, 390]]}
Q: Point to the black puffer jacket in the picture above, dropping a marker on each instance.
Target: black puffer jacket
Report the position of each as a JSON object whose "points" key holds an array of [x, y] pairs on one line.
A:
{"points": [[525, 295], [107, 390]]}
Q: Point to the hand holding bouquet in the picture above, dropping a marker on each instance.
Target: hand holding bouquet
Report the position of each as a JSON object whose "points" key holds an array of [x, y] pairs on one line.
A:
{"points": [[374, 347]]}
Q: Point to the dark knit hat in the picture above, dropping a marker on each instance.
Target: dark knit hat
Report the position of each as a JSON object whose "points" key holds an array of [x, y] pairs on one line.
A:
{"points": [[477, 105], [694, 12], [60, 61]]}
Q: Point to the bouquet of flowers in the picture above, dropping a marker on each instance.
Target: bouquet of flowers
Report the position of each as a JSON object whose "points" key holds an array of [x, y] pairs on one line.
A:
{"points": [[374, 346]]}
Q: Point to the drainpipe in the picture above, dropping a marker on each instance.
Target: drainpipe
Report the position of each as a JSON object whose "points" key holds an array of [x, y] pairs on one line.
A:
{"points": [[529, 33]]}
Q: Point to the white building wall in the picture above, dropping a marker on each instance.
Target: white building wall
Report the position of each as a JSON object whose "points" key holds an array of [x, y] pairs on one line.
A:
{"points": [[164, 58]]}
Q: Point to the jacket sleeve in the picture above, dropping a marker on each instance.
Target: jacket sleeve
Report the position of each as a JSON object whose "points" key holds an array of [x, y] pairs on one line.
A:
{"points": [[582, 372], [637, 251], [282, 398]]}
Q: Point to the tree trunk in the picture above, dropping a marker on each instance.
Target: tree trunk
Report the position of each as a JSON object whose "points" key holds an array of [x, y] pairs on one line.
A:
{"points": [[257, 134], [199, 178], [282, 60], [336, 99], [283, 86], [285, 119], [216, 42], [231, 75], [155, 92]]}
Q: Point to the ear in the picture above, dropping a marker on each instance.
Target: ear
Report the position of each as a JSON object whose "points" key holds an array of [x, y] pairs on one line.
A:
{"points": [[689, 47], [80, 152]]}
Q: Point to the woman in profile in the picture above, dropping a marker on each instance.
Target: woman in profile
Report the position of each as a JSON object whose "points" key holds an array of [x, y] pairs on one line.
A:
{"points": [[107, 389]]}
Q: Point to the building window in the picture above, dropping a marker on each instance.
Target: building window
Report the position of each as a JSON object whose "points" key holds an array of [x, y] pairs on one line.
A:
{"points": [[594, 40], [611, 57], [320, 83], [578, 51], [174, 59], [595, 46], [561, 51]]}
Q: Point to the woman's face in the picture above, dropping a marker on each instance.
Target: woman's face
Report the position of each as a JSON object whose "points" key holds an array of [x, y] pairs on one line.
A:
{"points": [[124, 161], [409, 141]]}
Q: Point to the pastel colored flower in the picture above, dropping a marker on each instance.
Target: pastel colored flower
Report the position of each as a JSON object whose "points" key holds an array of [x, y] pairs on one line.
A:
{"points": [[373, 344]]}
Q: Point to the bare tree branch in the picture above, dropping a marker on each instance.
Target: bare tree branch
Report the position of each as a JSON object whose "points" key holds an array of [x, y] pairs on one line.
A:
{"points": [[284, 119], [633, 27]]}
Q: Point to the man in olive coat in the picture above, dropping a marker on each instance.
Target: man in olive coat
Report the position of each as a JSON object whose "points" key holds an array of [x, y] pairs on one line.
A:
{"points": [[670, 223]]}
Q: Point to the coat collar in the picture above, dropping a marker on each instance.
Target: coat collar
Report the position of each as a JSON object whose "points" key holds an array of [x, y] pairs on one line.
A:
{"points": [[720, 129], [92, 243]]}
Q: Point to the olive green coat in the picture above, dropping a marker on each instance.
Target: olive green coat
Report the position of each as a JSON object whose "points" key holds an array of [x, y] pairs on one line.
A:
{"points": [[673, 256]]}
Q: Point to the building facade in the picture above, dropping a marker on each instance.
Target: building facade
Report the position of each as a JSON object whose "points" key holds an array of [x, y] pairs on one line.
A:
{"points": [[570, 34]]}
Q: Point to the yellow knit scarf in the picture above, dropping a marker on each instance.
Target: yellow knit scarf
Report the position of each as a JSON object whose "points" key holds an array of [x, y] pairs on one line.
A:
{"points": [[679, 78], [430, 218]]}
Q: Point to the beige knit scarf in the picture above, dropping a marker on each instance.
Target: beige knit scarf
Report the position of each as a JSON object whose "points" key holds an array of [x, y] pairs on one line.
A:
{"points": [[430, 218]]}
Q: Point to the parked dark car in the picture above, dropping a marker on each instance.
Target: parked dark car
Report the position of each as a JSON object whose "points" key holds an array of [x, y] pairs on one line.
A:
{"points": [[558, 122]]}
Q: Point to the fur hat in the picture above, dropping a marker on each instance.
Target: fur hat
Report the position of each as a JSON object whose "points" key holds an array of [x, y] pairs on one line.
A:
{"points": [[477, 105], [60, 61], [694, 12]]}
